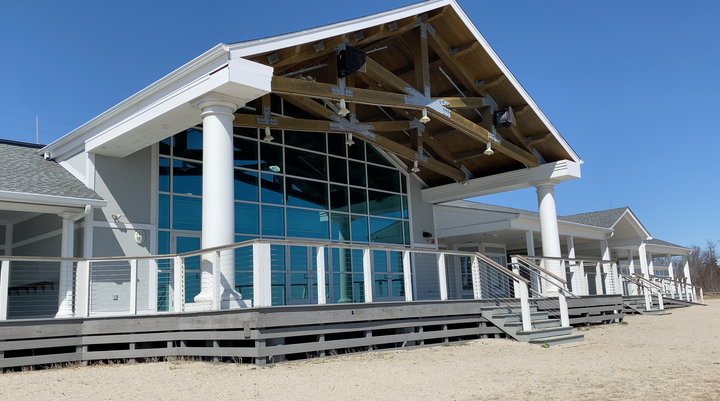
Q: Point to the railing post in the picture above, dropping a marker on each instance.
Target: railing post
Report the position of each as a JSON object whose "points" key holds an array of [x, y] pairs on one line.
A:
{"points": [[660, 300], [442, 277], [622, 285], [82, 289], [648, 295], [407, 276], [477, 285], [367, 274], [133, 286], [320, 257], [262, 278], [598, 279], [152, 284], [525, 307], [516, 270], [702, 298], [179, 284], [584, 279], [4, 283], [217, 285], [564, 315]]}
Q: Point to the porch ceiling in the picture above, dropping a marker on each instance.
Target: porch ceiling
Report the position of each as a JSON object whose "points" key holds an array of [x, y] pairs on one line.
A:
{"points": [[407, 52]]}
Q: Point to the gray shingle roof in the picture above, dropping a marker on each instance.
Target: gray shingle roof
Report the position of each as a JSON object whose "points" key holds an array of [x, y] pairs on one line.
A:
{"points": [[23, 170], [602, 218], [656, 241]]}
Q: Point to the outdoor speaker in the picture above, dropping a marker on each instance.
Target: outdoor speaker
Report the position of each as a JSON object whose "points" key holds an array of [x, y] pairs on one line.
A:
{"points": [[349, 60], [505, 118]]}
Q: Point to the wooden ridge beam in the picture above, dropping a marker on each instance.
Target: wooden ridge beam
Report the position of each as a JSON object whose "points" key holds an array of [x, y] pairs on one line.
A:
{"points": [[310, 106], [441, 47], [464, 102], [463, 50], [535, 139], [422, 59], [486, 84], [469, 154], [384, 77]]}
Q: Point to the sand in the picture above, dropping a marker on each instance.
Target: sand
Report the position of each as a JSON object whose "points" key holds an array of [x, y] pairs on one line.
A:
{"points": [[675, 356]]}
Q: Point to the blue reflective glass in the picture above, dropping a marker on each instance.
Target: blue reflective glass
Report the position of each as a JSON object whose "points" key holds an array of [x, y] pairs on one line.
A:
{"points": [[306, 193], [307, 224], [273, 221], [188, 144], [358, 288], [298, 258], [385, 204], [386, 231], [164, 211], [246, 218], [382, 178], [164, 172], [277, 291], [271, 189], [163, 242], [187, 213], [359, 228], [340, 227], [246, 185], [277, 257], [187, 177], [379, 261], [244, 285], [245, 153]]}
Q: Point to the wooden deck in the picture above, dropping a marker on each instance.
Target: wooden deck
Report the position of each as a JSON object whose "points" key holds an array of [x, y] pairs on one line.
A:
{"points": [[267, 335]]}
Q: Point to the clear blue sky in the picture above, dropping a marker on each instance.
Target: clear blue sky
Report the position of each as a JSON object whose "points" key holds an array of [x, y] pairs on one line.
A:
{"points": [[631, 85]]}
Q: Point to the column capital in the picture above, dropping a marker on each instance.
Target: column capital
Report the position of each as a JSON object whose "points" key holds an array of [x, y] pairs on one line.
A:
{"points": [[214, 104], [544, 184]]}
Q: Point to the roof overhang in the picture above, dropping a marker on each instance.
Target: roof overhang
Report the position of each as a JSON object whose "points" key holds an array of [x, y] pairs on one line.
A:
{"points": [[26, 202], [165, 107], [555, 172]]}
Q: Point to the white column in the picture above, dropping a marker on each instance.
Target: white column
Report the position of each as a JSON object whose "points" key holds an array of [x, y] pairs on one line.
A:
{"points": [[549, 230], [368, 275], [633, 290], [642, 254], [262, 277], [218, 203], [671, 273], [530, 243], [320, 263], [651, 266], [686, 270], [577, 277], [407, 276], [611, 279], [65, 287], [4, 282]]}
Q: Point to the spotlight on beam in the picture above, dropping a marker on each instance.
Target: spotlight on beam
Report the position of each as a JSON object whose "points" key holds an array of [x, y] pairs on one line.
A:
{"points": [[349, 141], [505, 118], [268, 135], [415, 168]]}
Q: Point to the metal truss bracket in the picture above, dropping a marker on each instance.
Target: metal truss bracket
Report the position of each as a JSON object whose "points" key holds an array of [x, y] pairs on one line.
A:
{"points": [[341, 124], [420, 156], [494, 136], [341, 89], [416, 98], [420, 127], [489, 101], [266, 119]]}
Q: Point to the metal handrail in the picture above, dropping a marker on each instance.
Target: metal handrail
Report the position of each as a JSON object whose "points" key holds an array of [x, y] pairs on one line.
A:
{"points": [[541, 269], [647, 281], [501, 269], [571, 259]]}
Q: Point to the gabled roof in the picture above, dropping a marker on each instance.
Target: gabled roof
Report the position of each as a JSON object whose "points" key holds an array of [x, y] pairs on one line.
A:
{"points": [[26, 176], [461, 68], [659, 242], [601, 218]]}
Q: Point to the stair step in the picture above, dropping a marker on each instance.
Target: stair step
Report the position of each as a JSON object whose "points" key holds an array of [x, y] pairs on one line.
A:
{"points": [[536, 324], [543, 333], [572, 338], [655, 312], [515, 317], [507, 309]]}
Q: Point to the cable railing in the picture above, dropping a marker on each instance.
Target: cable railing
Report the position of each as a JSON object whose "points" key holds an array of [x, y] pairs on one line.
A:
{"points": [[678, 288], [584, 276], [255, 273], [546, 288]]}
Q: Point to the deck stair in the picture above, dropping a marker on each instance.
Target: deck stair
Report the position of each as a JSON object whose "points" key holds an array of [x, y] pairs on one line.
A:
{"points": [[637, 305], [544, 330]]}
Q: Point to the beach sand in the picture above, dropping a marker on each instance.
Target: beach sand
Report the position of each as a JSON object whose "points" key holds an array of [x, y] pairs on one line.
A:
{"points": [[674, 356]]}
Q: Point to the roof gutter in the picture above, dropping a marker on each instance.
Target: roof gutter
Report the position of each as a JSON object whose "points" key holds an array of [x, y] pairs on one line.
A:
{"points": [[51, 200]]}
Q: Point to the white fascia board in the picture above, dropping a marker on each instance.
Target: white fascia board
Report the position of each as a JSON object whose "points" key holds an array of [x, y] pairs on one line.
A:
{"points": [[672, 250], [631, 243], [195, 70], [23, 197], [243, 49], [473, 229], [515, 83], [532, 223], [237, 80], [556, 172]]}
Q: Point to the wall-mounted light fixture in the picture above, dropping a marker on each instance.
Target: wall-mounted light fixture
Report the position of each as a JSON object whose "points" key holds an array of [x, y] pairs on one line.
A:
{"points": [[268, 135], [415, 168], [424, 119], [349, 141], [488, 149], [343, 109]]}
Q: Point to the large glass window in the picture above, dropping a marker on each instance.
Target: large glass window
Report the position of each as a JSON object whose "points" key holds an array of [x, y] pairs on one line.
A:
{"points": [[304, 185]]}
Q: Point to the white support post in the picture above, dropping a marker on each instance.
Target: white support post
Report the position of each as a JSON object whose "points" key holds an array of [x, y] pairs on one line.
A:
{"points": [[367, 275], [621, 283], [651, 265], [178, 284], [671, 269], [133, 286], [152, 284], [516, 270], [615, 268], [564, 315], [407, 276], [610, 276], [702, 298], [642, 254], [632, 288], [320, 262], [4, 282], [583, 279], [65, 284], [82, 289], [262, 279], [598, 279], [660, 301], [442, 277], [648, 298], [525, 307], [217, 288], [549, 231]]}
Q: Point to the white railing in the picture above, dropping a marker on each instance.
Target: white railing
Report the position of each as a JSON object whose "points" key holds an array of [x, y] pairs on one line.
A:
{"points": [[585, 276], [678, 288], [266, 273]]}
